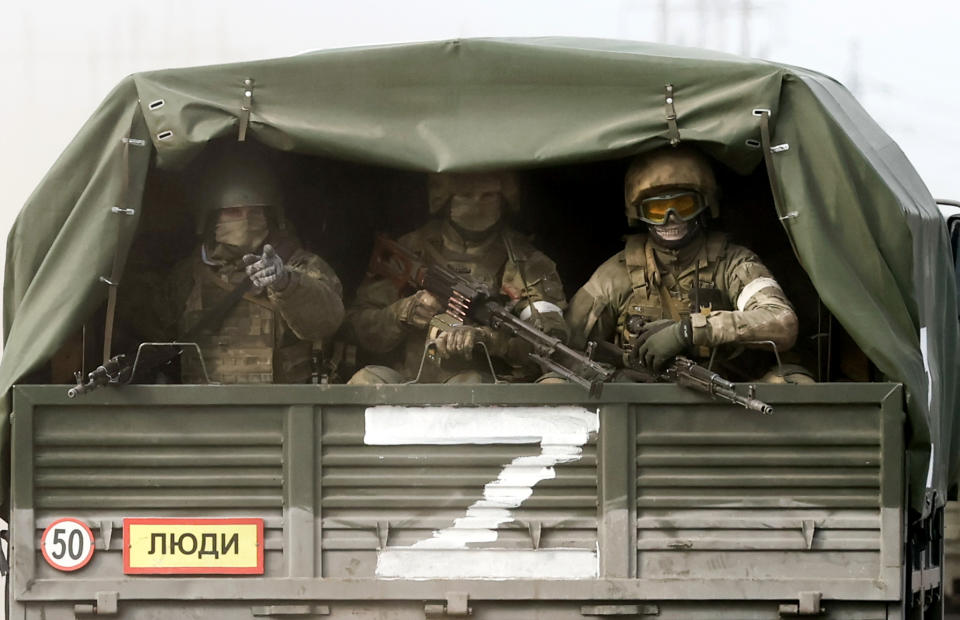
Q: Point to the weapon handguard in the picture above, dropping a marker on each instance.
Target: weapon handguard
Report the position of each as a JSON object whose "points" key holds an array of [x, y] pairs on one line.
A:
{"points": [[688, 373], [111, 371]]}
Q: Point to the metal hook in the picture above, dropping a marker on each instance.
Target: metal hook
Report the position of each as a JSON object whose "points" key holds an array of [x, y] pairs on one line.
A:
{"points": [[194, 345], [246, 104], [776, 354], [427, 344], [486, 353]]}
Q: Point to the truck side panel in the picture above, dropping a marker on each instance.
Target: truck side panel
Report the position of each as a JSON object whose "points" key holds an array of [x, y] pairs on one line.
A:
{"points": [[516, 501]]}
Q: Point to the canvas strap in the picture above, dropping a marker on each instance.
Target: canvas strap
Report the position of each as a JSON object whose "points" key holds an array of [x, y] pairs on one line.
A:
{"points": [[668, 302], [131, 195], [673, 132], [211, 318]]}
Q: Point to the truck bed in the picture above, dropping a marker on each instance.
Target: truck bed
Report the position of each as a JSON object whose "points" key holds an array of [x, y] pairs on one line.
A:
{"points": [[505, 501]]}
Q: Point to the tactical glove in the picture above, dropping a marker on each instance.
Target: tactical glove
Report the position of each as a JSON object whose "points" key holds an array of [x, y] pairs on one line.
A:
{"points": [[417, 309], [267, 270], [663, 344], [649, 329], [460, 342]]}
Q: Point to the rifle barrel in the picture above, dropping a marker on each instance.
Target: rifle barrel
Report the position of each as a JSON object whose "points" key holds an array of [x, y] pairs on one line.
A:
{"points": [[753, 404]]}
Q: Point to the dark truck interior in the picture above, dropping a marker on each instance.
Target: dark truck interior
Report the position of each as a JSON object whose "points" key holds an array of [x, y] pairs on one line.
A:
{"points": [[574, 213]]}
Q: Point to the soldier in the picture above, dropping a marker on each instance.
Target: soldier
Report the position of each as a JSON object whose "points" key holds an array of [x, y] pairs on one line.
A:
{"points": [[468, 233], [292, 299], [679, 288]]}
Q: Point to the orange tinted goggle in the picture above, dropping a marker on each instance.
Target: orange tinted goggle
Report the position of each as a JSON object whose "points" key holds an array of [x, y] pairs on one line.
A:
{"points": [[656, 209]]}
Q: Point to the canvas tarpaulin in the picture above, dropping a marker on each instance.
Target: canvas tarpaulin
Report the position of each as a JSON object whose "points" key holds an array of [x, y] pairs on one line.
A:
{"points": [[864, 227]]}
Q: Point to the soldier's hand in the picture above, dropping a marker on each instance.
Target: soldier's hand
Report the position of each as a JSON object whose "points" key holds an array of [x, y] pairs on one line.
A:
{"points": [[461, 341], [663, 344], [267, 270], [417, 309], [650, 329]]}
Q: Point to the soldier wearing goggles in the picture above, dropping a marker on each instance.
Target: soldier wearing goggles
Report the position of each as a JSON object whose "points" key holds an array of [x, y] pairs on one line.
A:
{"points": [[678, 288]]}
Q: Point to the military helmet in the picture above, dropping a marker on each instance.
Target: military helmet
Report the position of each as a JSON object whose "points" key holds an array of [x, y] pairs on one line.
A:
{"points": [[669, 171], [442, 186], [240, 178]]}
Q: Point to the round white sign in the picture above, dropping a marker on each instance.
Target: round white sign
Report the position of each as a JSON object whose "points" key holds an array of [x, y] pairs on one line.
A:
{"points": [[67, 544]]}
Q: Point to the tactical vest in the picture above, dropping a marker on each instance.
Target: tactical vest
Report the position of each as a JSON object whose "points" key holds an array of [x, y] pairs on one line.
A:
{"points": [[694, 290], [250, 344], [486, 267]]}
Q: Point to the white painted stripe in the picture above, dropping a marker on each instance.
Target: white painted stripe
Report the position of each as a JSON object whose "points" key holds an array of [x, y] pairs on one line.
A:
{"points": [[511, 488], [543, 307], [925, 354], [561, 433], [448, 425], [754, 287], [488, 564]]}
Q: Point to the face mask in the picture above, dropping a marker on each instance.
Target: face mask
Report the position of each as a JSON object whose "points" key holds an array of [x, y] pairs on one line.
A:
{"points": [[476, 213], [246, 232], [674, 232]]}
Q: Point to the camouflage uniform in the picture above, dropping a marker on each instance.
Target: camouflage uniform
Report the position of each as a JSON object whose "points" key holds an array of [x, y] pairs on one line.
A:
{"points": [[708, 291], [266, 337], [294, 298], [376, 328], [738, 300]]}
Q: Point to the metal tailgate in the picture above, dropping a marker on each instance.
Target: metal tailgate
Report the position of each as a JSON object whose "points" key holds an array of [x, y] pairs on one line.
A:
{"points": [[496, 501]]}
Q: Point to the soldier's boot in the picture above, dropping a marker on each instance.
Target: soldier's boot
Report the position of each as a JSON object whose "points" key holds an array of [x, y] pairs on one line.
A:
{"points": [[376, 375]]}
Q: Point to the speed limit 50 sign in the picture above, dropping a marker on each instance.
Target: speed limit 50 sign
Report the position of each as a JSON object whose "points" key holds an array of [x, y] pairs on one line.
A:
{"points": [[67, 544]]}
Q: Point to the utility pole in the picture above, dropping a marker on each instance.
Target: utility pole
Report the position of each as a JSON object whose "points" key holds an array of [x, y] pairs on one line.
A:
{"points": [[664, 20], [701, 23], [746, 8], [855, 84]]}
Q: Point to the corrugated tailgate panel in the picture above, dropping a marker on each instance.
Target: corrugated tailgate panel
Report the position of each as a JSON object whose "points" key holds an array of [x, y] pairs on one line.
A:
{"points": [[951, 548], [157, 462], [379, 497], [785, 496]]}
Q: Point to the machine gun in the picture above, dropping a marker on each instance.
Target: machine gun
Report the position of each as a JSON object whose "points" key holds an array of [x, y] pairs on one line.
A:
{"points": [[119, 370], [114, 370], [467, 299], [688, 373], [682, 371]]}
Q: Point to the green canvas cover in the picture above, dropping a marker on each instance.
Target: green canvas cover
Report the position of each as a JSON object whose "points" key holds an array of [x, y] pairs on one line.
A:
{"points": [[862, 223]]}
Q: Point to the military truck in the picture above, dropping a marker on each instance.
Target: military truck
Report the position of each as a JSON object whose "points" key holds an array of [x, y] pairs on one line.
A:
{"points": [[490, 501]]}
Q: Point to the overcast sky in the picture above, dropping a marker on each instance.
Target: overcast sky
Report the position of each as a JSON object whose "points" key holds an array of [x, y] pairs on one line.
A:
{"points": [[58, 60]]}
